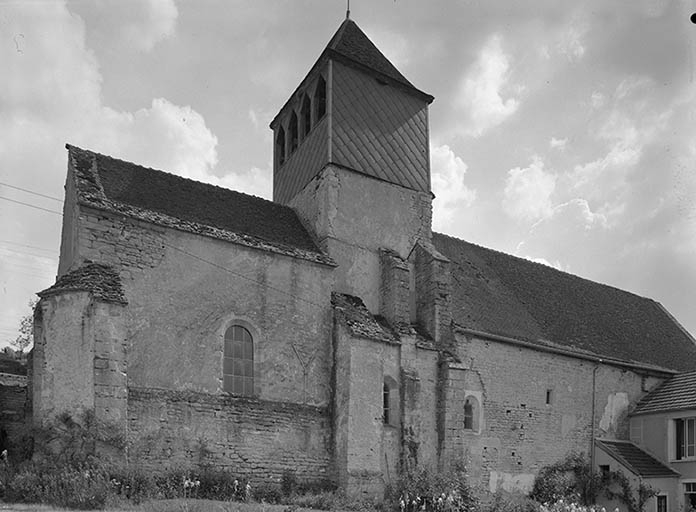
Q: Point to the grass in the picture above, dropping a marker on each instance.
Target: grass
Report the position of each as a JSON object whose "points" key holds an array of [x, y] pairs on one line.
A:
{"points": [[177, 505]]}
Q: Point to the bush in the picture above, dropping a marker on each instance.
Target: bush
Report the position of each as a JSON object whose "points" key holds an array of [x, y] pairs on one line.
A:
{"points": [[72, 486], [570, 479], [511, 502], [422, 489]]}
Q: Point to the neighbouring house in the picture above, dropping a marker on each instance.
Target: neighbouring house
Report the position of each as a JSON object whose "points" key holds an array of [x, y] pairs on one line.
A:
{"points": [[330, 332], [663, 429]]}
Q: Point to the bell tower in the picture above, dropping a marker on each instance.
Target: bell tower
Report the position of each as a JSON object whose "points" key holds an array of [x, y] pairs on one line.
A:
{"points": [[351, 155]]}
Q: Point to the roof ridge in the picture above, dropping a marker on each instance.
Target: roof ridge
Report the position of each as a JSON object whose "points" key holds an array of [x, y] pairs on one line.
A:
{"points": [[176, 176], [549, 267]]}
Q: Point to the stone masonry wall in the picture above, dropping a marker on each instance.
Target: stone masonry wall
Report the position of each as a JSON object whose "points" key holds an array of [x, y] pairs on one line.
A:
{"points": [[254, 439], [185, 290], [129, 245], [433, 291], [353, 216], [110, 377], [519, 431], [395, 291]]}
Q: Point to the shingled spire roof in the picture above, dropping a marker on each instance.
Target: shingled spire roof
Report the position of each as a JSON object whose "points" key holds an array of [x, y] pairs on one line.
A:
{"points": [[350, 45]]}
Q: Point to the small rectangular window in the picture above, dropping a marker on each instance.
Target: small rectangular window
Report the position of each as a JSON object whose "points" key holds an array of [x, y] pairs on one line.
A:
{"points": [[661, 503], [604, 469], [548, 396]]}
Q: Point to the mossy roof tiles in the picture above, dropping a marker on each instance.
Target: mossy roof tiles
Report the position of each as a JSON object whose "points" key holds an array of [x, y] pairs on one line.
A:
{"points": [[172, 201], [359, 321], [102, 281], [675, 394], [500, 294]]}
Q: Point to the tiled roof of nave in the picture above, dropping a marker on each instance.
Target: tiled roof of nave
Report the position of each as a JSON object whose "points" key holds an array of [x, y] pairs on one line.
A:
{"points": [[187, 204], [509, 296]]}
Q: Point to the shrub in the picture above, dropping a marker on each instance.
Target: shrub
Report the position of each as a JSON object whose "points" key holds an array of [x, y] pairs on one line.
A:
{"points": [[84, 486], [422, 489], [570, 479], [288, 483], [511, 502]]}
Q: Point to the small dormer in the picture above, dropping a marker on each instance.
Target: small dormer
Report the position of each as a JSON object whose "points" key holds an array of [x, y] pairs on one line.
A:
{"points": [[354, 109]]}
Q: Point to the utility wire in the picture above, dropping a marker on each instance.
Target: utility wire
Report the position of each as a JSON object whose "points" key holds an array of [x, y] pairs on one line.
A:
{"points": [[241, 276], [31, 192], [30, 205], [29, 246]]}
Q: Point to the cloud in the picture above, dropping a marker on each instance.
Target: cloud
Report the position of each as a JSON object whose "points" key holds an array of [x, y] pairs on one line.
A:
{"points": [[527, 194], [482, 88], [131, 25], [558, 143], [51, 94], [448, 185]]}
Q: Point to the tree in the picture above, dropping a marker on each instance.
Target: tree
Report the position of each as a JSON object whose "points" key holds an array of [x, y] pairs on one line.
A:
{"points": [[25, 338]]}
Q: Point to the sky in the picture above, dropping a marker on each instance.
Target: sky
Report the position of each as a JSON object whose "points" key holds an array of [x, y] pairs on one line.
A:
{"points": [[561, 132]]}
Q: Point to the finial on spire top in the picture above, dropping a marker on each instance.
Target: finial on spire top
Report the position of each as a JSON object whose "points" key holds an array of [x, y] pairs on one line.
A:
{"points": [[348, 9]]}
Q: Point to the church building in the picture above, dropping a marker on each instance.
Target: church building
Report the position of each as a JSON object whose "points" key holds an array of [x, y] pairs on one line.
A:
{"points": [[330, 332]]}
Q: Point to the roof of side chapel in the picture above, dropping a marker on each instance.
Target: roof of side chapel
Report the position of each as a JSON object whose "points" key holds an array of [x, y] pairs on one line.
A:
{"points": [[500, 294], [168, 200]]}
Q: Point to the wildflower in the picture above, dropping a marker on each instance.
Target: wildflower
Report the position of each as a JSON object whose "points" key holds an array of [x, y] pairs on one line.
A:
{"points": [[247, 491], [402, 504]]}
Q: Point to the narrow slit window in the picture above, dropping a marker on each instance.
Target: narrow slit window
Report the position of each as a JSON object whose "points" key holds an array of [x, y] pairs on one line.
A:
{"points": [[385, 404], [292, 129], [280, 146], [320, 99], [306, 117], [468, 415]]}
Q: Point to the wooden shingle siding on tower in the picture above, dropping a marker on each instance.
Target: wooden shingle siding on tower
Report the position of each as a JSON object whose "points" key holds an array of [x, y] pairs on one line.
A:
{"points": [[379, 130], [303, 164]]}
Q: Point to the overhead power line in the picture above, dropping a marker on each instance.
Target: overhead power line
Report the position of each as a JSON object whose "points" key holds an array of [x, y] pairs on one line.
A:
{"points": [[28, 246], [221, 267], [30, 192], [30, 205]]}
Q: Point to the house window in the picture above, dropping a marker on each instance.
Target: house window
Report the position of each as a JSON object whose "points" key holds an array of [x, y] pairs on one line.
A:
{"points": [[661, 505], [685, 438], [305, 117], [471, 414], [549, 396], [604, 469], [280, 146], [292, 130], [320, 99], [690, 495], [385, 403], [238, 362]]}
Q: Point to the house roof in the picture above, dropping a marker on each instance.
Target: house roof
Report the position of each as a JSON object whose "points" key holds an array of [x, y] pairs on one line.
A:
{"points": [[12, 366], [503, 295], [172, 201], [675, 394], [636, 460], [102, 281], [359, 321]]}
